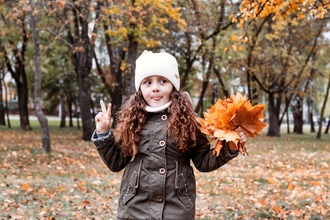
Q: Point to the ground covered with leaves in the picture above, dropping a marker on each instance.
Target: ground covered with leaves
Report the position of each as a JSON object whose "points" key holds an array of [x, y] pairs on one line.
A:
{"points": [[283, 178]]}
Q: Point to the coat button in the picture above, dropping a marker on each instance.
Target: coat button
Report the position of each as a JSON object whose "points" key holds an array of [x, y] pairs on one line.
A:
{"points": [[133, 191], [162, 143], [159, 198], [179, 191], [162, 171], [164, 117]]}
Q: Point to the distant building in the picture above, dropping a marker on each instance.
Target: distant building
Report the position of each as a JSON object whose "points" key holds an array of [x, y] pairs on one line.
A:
{"points": [[11, 95]]}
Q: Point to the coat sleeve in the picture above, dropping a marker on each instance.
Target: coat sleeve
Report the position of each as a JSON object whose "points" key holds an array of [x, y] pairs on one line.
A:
{"points": [[203, 158], [110, 152]]}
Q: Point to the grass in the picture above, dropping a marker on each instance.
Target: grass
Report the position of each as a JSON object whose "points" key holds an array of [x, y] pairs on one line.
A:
{"points": [[52, 125], [283, 178]]}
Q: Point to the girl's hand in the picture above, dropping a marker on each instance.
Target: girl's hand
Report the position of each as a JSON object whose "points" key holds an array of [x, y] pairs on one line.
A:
{"points": [[232, 146], [241, 135], [103, 118]]}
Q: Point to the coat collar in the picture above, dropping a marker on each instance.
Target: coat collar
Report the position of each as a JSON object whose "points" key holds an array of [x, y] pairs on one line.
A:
{"points": [[158, 109]]}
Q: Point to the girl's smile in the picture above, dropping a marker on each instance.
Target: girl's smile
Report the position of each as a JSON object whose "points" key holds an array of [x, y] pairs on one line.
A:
{"points": [[156, 90]]}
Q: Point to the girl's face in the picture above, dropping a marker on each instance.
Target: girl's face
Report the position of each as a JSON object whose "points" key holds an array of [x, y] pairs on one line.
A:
{"points": [[156, 90]]}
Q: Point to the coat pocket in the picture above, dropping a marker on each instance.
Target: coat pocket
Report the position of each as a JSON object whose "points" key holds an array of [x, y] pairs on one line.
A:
{"points": [[131, 191], [182, 191]]}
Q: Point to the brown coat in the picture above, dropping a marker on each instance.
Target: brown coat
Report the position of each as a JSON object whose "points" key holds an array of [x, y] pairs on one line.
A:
{"points": [[159, 183]]}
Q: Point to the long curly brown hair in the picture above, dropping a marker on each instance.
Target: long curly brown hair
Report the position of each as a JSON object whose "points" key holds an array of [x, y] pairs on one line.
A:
{"points": [[181, 124]]}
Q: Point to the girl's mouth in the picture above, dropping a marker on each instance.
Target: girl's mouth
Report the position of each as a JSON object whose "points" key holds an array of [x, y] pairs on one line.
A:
{"points": [[157, 98]]}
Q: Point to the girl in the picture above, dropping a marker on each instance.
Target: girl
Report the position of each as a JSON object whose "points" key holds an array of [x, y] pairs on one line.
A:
{"points": [[157, 127]]}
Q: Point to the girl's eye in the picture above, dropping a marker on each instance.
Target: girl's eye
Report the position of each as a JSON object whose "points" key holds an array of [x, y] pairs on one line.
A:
{"points": [[163, 81], [147, 82]]}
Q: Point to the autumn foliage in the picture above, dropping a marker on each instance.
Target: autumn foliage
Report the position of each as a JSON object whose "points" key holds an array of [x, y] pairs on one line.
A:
{"points": [[225, 116]]}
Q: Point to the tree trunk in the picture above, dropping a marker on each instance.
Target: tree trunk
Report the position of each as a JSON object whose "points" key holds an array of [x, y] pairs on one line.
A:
{"points": [[288, 122], [78, 116], [82, 59], [131, 58], [201, 97], [68, 95], [22, 92], [310, 114], [92, 111], [204, 88], [215, 94], [84, 97], [114, 88], [62, 103], [297, 111], [224, 90], [327, 129], [210, 54], [186, 73], [37, 84], [273, 128], [298, 121], [69, 102], [2, 108], [6, 106], [19, 75], [318, 136]]}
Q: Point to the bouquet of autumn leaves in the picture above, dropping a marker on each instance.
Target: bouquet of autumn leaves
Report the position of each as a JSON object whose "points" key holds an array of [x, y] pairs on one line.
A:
{"points": [[225, 116]]}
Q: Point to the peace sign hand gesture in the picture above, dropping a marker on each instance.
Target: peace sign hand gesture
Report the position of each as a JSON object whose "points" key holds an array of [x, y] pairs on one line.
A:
{"points": [[103, 118]]}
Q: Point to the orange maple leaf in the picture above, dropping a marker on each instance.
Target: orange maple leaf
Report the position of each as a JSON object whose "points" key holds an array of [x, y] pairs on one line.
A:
{"points": [[226, 115], [248, 118]]}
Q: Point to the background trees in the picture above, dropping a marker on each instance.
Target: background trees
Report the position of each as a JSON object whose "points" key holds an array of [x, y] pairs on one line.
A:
{"points": [[273, 51]]}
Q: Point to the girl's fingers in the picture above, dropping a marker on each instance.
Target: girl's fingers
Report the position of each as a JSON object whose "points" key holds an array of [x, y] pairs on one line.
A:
{"points": [[109, 110], [241, 134], [238, 129], [104, 110]]}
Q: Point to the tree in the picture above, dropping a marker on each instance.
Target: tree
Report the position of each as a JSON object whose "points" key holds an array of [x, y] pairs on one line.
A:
{"points": [[2, 83], [13, 44], [318, 136], [275, 65], [45, 138], [126, 25]]}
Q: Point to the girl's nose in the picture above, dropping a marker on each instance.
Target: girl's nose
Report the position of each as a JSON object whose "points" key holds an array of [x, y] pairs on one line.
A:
{"points": [[155, 88]]}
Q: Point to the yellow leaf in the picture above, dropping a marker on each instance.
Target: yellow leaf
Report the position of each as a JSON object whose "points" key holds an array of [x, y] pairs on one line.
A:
{"points": [[226, 115], [232, 136], [219, 133], [248, 118], [271, 180], [240, 48], [233, 37], [217, 148], [25, 187], [277, 208], [43, 190], [318, 198], [316, 183]]}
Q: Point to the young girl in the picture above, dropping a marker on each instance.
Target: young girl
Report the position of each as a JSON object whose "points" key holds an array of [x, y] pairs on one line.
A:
{"points": [[158, 128]]}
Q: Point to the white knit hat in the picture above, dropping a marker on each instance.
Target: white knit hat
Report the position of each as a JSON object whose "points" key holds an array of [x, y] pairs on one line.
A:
{"points": [[157, 64]]}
